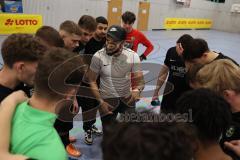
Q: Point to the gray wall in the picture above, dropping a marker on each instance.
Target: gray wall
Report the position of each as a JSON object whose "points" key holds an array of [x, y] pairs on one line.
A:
{"points": [[220, 13], [56, 11], [224, 20], [168, 8]]}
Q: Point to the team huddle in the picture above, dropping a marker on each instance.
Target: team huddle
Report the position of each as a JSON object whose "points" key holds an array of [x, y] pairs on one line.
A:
{"points": [[48, 77]]}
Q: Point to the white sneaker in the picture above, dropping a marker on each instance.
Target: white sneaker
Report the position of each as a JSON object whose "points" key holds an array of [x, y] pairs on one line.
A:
{"points": [[96, 131], [88, 137]]}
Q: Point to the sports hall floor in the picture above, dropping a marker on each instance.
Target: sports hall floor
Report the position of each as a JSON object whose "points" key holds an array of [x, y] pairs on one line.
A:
{"points": [[227, 43]]}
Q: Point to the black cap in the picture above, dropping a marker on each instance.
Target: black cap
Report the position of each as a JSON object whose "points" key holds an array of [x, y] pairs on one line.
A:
{"points": [[117, 33]]}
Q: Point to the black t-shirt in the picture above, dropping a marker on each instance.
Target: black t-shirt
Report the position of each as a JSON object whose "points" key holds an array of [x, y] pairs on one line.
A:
{"points": [[93, 46], [222, 56], [5, 91], [90, 49], [177, 83]]}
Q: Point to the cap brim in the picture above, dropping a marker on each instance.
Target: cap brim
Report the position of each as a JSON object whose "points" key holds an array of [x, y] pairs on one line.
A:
{"points": [[114, 37]]}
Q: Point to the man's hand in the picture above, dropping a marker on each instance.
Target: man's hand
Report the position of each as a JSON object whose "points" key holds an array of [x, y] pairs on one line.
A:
{"points": [[14, 98], [155, 96], [234, 146], [143, 57], [105, 108], [8, 156], [135, 96]]}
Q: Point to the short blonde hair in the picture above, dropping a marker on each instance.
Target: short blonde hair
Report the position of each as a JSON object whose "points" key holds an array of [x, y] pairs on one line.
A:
{"points": [[219, 76]]}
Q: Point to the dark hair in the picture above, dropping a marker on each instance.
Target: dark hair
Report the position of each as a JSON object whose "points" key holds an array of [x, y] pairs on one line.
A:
{"points": [[21, 47], [149, 140], [210, 113], [57, 72], [88, 23], [196, 49], [128, 17], [50, 36], [70, 27], [185, 41], [102, 20]]}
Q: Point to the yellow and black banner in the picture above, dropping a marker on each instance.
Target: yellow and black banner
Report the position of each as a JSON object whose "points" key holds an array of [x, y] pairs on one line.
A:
{"points": [[187, 23], [19, 23]]}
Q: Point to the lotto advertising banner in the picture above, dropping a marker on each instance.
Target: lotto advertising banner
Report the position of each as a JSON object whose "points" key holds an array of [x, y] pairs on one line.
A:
{"points": [[19, 23], [187, 23]]}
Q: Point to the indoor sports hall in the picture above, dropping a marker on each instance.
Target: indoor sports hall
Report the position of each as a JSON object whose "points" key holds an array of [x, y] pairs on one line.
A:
{"points": [[120, 79]]}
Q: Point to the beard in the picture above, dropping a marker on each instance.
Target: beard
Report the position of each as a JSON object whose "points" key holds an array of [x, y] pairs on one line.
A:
{"points": [[100, 36], [112, 52]]}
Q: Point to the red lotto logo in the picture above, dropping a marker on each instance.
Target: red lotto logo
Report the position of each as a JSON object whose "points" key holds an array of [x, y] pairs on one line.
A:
{"points": [[20, 22], [9, 22]]}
